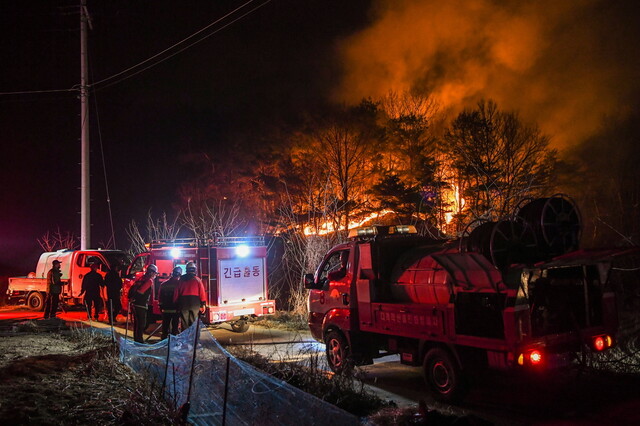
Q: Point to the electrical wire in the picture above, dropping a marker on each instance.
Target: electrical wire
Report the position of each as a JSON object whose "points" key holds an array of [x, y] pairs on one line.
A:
{"points": [[104, 170], [29, 92], [104, 80]]}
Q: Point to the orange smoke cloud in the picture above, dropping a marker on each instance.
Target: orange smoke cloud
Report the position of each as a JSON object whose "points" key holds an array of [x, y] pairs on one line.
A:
{"points": [[562, 64]]}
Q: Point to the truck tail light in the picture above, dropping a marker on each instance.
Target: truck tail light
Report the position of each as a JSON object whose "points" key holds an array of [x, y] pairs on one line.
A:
{"points": [[267, 310], [533, 357], [602, 342]]}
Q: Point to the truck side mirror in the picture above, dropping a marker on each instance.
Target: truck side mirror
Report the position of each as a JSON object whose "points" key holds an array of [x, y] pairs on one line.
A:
{"points": [[309, 283]]}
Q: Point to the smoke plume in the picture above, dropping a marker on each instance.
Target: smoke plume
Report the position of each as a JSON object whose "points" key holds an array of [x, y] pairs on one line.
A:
{"points": [[565, 65]]}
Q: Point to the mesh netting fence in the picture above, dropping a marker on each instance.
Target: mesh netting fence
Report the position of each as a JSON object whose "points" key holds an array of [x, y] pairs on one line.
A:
{"points": [[220, 388]]}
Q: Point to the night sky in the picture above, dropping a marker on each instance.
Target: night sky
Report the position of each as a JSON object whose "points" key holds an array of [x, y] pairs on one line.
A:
{"points": [[566, 65], [276, 61]]}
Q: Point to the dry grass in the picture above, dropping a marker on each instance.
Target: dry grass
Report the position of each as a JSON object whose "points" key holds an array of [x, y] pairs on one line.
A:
{"points": [[344, 391], [348, 392], [75, 378], [285, 320]]}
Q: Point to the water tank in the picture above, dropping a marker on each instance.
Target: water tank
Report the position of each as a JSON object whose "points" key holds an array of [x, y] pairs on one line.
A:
{"points": [[418, 278]]}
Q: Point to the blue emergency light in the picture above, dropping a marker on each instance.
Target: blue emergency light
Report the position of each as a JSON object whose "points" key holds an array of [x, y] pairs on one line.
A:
{"points": [[242, 251]]}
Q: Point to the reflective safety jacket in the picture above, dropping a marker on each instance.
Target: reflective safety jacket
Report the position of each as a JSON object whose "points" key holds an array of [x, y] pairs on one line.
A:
{"points": [[190, 288], [140, 291]]}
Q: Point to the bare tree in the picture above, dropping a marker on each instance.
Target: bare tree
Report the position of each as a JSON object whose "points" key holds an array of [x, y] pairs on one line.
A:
{"points": [[410, 121], [160, 228], [302, 254], [603, 177], [344, 145], [407, 173], [499, 159], [213, 218], [52, 241]]}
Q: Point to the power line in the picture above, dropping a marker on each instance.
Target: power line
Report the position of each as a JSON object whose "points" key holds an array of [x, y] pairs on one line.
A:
{"points": [[30, 92], [75, 89], [178, 44], [104, 170]]}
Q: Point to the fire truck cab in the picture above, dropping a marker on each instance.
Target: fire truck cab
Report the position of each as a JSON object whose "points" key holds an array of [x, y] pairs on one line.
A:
{"points": [[233, 271]]}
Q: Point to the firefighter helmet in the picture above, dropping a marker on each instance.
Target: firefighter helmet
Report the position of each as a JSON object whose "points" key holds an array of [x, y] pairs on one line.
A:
{"points": [[177, 271], [152, 268], [191, 267]]}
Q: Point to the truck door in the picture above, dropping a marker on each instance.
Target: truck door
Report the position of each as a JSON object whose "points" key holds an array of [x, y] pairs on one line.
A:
{"points": [[81, 266], [337, 271], [364, 283]]}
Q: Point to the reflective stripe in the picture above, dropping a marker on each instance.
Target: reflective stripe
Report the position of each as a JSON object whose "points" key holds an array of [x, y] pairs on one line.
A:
{"points": [[143, 307]]}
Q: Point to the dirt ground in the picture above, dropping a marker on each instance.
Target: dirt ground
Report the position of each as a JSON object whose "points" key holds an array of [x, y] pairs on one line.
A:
{"points": [[55, 374], [51, 374]]}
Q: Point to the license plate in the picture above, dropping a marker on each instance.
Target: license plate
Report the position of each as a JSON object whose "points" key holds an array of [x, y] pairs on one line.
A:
{"points": [[241, 312]]}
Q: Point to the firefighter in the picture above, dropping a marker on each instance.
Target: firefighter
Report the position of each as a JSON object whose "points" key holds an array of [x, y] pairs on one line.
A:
{"points": [[54, 288], [92, 283], [139, 297], [113, 282], [170, 314], [190, 296]]}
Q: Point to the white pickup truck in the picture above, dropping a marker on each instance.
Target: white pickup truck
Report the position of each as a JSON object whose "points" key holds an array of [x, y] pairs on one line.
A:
{"points": [[32, 289]]}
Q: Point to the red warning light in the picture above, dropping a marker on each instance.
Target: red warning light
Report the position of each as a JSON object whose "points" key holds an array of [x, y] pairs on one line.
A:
{"points": [[535, 357], [599, 343]]}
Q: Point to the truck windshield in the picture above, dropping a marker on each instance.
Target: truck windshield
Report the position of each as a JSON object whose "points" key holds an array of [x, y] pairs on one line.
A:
{"points": [[115, 257]]}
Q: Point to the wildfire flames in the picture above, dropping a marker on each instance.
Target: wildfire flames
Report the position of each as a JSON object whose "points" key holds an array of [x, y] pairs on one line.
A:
{"points": [[452, 197], [329, 227], [455, 201]]}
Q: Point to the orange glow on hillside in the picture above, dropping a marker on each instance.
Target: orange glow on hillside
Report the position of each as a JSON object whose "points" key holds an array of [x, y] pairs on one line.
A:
{"points": [[328, 226]]}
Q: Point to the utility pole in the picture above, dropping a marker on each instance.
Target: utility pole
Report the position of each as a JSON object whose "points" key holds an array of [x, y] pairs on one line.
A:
{"points": [[85, 197]]}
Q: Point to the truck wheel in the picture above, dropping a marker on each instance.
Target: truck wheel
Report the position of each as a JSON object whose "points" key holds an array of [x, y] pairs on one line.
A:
{"points": [[443, 375], [338, 352], [35, 301], [239, 326]]}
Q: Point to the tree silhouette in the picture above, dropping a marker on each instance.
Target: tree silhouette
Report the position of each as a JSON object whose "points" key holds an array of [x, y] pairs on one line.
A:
{"points": [[499, 159]]}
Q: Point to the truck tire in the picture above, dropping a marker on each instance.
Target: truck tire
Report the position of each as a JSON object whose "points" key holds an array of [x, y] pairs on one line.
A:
{"points": [[239, 326], [35, 301], [443, 376], [338, 352]]}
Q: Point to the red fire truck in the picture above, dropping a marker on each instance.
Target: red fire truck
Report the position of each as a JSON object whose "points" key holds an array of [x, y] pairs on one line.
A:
{"points": [[233, 271], [449, 308]]}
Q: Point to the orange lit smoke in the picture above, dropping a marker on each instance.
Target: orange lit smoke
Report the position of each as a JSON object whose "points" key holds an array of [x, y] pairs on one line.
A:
{"points": [[556, 62]]}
